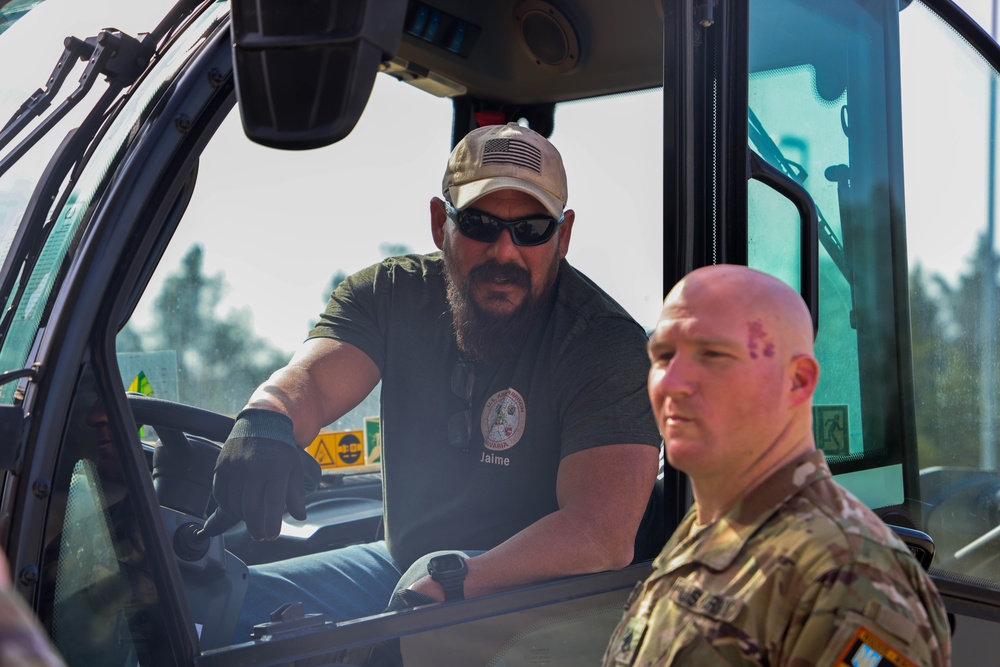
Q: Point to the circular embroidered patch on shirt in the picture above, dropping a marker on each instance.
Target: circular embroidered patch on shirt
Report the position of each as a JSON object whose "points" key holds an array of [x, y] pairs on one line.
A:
{"points": [[503, 420]]}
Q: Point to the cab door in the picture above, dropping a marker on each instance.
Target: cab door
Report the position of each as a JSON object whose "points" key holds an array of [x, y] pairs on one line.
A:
{"points": [[877, 119]]}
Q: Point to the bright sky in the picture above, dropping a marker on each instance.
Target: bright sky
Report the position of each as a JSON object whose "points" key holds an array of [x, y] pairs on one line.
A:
{"points": [[980, 10], [945, 133]]}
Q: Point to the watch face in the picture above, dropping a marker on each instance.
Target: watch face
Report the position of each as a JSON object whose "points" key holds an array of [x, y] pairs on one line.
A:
{"points": [[447, 563]]}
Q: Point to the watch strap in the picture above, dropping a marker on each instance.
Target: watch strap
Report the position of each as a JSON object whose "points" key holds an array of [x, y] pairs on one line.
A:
{"points": [[454, 586]]}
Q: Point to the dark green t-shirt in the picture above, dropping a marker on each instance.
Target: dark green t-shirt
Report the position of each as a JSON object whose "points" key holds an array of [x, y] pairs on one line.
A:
{"points": [[579, 382]]}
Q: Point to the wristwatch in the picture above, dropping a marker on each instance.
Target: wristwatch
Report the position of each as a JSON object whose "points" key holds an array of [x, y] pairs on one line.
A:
{"points": [[449, 570]]}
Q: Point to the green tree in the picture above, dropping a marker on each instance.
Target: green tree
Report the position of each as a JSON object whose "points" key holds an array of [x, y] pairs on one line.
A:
{"points": [[128, 339], [335, 281], [369, 407], [394, 249], [950, 341], [220, 359], [930, 365]]}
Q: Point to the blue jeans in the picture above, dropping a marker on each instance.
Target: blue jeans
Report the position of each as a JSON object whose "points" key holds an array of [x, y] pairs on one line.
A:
{"points": [[341, 584]]}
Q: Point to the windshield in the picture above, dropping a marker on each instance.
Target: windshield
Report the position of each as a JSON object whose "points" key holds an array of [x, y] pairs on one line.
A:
{"points": [[30, 179], [34, 40], [807, 103]]}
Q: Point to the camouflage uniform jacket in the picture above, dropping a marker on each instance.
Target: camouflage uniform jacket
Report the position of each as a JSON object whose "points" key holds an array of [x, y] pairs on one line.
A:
{"points": [[799, 573], [23, 643]]}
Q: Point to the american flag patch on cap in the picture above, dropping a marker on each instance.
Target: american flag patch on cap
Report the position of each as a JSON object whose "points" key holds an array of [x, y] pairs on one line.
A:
{"points": [[512, 151]]}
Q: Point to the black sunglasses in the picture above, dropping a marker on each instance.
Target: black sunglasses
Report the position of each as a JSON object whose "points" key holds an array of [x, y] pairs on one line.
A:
{"points": [[481, 226], [463, 377]]}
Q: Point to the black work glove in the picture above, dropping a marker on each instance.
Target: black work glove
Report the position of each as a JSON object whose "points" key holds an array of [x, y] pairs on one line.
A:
{"points": [[261, 473]]}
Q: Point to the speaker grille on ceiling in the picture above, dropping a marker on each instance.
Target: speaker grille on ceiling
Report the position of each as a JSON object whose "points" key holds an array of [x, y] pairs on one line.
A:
{"points": [[547, 36]]}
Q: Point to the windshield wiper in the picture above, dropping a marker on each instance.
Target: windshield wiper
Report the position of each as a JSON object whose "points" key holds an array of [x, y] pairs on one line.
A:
{"points": [[112, 54], [770, 152], [74, 49]]}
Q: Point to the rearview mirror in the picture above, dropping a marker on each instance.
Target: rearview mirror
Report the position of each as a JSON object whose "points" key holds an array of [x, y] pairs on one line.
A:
{"points": [[304, 69]]}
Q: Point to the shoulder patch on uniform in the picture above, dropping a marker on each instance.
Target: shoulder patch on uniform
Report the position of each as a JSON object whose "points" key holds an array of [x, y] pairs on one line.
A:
{"points": [[867, 649]]}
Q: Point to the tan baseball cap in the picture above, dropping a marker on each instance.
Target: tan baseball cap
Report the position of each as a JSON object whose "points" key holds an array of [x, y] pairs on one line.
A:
{"points": [[505, 157]]}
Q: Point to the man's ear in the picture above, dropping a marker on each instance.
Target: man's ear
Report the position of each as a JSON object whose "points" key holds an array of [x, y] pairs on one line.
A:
{"points": [[805, 377], [565, 231], [438, 220]]}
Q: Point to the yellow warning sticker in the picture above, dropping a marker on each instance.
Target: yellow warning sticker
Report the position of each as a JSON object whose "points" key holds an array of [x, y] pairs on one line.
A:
{"points": [[338, 449]]}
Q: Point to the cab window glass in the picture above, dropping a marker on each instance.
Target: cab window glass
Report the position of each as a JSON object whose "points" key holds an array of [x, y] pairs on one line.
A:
{"points": [[29, 298], [99, 600], [615, 179], [818, 113], [953, 290], [573, 631], [566, 633], [856, 149], [267, 236], [35, 42]]}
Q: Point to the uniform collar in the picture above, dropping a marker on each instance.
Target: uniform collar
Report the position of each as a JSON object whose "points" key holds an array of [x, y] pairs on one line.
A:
{"points": [[717, 545]]}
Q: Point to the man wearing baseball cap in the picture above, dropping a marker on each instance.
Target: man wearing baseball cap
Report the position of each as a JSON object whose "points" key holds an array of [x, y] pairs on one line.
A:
{"points": [[516, 433]]}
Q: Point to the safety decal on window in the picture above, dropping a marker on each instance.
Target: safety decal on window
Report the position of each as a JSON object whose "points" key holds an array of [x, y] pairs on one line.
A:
{"points": [[338, 449], [831, 431], [866, 649]]}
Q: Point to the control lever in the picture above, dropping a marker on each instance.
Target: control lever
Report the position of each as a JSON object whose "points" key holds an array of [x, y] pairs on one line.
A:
{"points": [[222, 520], [190, 543]]}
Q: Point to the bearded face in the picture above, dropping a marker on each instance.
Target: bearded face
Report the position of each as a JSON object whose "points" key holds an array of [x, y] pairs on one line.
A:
{"points": [[497, 289], [496, 328]]}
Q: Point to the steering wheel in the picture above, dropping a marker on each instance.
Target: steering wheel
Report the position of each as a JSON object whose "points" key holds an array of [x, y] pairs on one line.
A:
{"points": [[177, 417], [184, 461]]}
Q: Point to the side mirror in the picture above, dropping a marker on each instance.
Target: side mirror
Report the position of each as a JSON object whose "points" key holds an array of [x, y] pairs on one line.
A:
{"points": [[920, 543], [304, 69]]}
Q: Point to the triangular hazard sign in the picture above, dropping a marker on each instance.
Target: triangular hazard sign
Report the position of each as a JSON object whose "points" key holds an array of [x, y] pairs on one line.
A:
{"points": [[322, 454]]}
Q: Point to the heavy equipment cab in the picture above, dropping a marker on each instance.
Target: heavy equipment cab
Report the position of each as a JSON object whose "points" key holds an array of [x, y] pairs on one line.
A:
{"points": [[157, 265]]}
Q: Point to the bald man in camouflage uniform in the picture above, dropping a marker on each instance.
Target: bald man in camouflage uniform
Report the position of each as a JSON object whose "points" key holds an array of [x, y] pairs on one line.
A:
{"points": [[775, 564]]}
